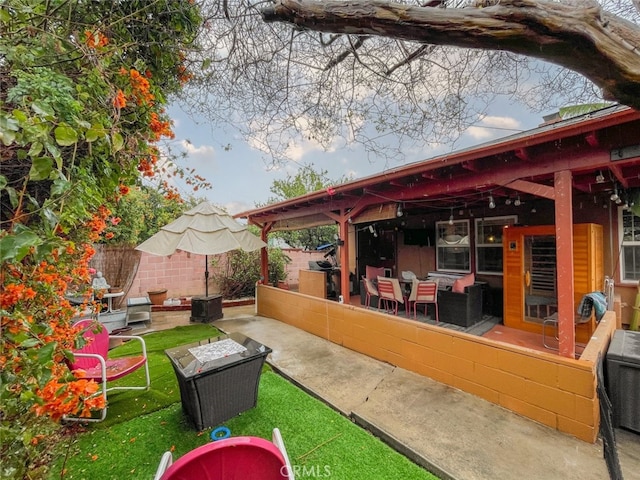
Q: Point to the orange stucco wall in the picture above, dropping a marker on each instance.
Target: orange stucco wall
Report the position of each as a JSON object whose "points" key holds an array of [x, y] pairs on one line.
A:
{"points": [[553, 390]]}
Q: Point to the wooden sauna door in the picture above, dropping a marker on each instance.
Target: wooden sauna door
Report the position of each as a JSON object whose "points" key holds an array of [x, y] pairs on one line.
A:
{"points": [[540, 277], [529, 271]]}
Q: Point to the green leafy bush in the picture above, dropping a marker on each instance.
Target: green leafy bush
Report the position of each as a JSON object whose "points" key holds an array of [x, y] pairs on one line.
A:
{"points": [[237, 275]]}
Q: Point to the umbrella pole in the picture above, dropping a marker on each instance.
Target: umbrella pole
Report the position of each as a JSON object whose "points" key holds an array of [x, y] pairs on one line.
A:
{"points": [[206, 276]]}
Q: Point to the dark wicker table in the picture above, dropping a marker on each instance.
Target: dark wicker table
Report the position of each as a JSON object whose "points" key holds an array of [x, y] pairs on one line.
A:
{"points": [[218, 377]]}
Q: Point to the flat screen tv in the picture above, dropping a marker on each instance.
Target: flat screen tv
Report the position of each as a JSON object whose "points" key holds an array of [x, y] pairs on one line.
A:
{"points": [[418, 236]]}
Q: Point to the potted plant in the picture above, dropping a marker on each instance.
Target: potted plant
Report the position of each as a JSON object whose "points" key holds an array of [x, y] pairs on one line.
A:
{"points": [[157, 297]]}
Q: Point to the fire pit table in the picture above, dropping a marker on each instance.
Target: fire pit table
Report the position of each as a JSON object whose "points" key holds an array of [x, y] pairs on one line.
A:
{"points": [[218, 377]]}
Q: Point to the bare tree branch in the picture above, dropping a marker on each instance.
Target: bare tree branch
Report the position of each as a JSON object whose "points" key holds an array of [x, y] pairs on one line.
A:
{"points": [[600, 46]]}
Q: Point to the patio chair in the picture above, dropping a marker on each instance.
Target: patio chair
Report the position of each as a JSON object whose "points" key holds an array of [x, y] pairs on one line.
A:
{"points": [[93, 360], [370, 290], [390, 294], [246, 458], [591, 303], [424, 292]]}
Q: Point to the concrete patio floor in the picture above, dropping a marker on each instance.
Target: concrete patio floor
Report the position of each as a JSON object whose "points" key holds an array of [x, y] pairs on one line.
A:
{"points": [[451, 433]]}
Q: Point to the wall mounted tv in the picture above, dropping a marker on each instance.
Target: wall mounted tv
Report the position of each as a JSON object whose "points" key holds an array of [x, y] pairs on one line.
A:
{"points": [[419, 236]]}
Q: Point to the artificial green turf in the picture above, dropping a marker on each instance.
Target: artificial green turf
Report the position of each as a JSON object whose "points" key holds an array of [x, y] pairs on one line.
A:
{"points": [[127, 404], [320, 442]]}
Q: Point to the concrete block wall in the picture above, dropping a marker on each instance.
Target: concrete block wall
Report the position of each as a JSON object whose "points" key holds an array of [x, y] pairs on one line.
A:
{"points": [[552, 390], [182, 274], [299, 261]]}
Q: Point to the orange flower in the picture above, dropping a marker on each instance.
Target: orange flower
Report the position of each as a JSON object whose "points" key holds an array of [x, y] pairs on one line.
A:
{"points": [[140, 86], [160, 128], [95, 40], [120, 101], [124, 190]]}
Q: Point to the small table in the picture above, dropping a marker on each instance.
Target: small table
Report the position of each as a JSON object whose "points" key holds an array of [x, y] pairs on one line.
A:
{"points": [[110, 297], [218, 377]]}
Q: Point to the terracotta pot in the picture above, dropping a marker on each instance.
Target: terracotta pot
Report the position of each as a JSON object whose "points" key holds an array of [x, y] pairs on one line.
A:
{"points": [[157, 297]]}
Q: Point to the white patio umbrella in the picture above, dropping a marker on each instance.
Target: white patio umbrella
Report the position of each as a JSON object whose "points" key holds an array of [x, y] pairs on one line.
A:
{"points": [[204, 230]]}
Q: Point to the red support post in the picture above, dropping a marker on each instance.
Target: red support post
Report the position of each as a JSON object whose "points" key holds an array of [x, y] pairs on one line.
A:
{"points": [[264, 255], [343, 226], [564, 255]]}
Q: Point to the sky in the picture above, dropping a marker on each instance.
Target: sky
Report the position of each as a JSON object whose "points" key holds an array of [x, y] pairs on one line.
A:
{"points": [[241, 177]]}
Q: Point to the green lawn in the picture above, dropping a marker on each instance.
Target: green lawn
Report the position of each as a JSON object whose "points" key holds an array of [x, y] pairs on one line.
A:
{"points": [[142, 425]]}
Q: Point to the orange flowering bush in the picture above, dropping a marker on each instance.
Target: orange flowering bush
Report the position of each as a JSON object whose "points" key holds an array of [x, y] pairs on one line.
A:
{"points": [[82, 110], [38, 336]]}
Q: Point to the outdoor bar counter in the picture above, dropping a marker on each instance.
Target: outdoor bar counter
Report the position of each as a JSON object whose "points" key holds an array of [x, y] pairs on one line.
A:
{"points": [[218, 377]]}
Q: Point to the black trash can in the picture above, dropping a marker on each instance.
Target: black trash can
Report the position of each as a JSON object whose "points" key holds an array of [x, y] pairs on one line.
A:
{"points": [[623, 378]]}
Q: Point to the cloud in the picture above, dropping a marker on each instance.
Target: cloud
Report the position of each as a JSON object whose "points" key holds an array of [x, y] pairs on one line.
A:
{"points": [[490, 126], [203, 152], [479, 133], [501, 122], [234, 207]]}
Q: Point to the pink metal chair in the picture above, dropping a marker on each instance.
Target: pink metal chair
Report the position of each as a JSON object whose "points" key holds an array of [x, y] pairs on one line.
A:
{"points": [[93, 360], [370, 290], [390, 294], [425, 292], [234, 458]]}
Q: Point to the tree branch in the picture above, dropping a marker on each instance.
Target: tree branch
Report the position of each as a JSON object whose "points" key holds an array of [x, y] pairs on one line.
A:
{"points": [[601, 46]]}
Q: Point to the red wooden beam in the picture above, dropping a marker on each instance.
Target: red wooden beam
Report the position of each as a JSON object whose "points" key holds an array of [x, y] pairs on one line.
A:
{"points": [[522, 154], [592, 139], [533, 188], [617, 171]]}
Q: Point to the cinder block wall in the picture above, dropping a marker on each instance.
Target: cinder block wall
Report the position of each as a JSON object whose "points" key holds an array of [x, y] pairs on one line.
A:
{"points": [[182, 274], [553, 390], [299, 261]]}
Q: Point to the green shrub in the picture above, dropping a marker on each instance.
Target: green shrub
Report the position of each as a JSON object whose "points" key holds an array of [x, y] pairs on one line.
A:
{"points": [[237, 276]]}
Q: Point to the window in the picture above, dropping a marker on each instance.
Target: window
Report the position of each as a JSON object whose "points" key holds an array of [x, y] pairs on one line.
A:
{"points": [[629, 234], [489, 243], [453, 252]]}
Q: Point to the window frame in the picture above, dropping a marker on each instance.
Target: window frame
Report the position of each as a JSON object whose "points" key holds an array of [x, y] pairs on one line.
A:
{"points": [[626, 243], [504, 219], [440, 246]]}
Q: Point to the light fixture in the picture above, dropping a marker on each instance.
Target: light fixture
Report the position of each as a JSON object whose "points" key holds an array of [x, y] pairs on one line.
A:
{"points": [[533, 210], [399, 212], [614, 196], [507, 201], [599, 177], [492, 204], [371, 229], [451, 217], [517, 201]]}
